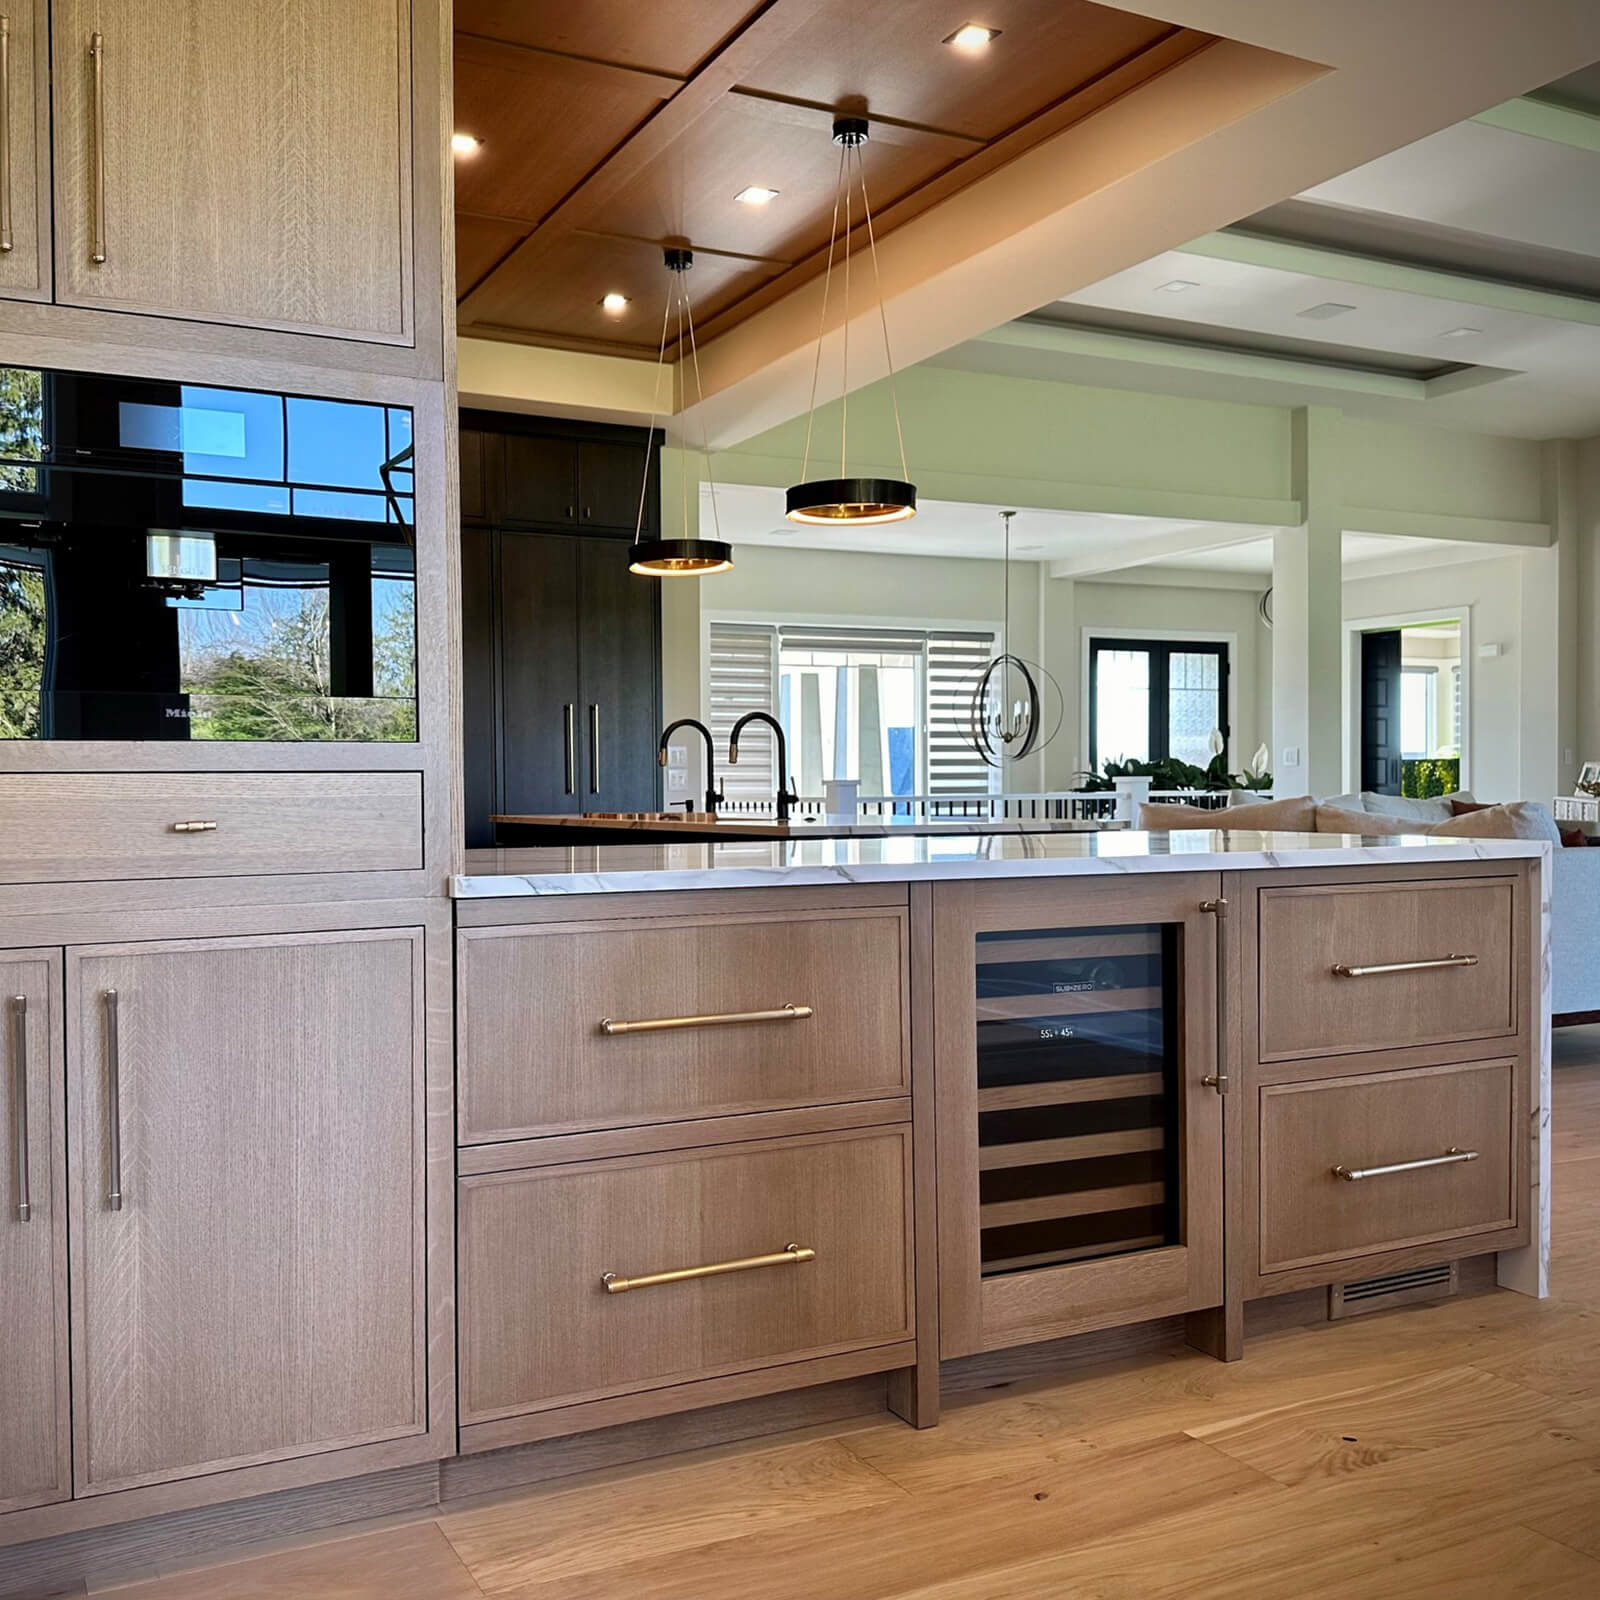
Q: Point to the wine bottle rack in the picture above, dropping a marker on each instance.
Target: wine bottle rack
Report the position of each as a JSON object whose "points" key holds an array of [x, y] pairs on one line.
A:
{"points": [[1077, 1094]]}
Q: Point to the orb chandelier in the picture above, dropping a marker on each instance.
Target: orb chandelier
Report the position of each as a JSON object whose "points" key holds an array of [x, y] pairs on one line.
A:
{"points": [[1014, 701], [678, 558], [850, 501]]}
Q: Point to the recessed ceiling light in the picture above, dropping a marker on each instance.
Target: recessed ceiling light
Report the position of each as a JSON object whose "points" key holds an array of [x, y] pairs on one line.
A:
{"points": [[1176, 286], [1461, 333], [756, 195], [972, 36], [465, 144], [614, 302], [1325, 312]]}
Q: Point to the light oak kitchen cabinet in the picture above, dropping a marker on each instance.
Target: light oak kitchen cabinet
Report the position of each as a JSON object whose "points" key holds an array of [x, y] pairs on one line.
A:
{"points": [[34, 1438], [247, 1206], [236, 161], [24, 151]]}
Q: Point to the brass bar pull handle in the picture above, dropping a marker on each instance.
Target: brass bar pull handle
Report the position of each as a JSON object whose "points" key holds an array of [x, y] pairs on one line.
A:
{"points": [[594, 749], [97, 160], [570, 718], [1450, 1158], [19, 1103], [113, 1100], [790, 1256], [718, 1019], [6, 239], [1217, 1081], [1341, 970], [202, 825]]}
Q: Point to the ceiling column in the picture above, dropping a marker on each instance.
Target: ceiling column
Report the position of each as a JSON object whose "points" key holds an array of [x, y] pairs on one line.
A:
{"points": [[1307, 616]]}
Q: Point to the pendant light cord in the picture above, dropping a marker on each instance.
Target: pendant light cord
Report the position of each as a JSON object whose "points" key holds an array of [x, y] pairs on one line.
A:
{"points": [[822, 315], [883, 316], [705, 428], [844, 370], [655, 411]]}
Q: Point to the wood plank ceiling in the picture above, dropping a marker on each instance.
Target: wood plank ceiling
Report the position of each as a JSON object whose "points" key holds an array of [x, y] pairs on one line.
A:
{"points": [[611, 127]]}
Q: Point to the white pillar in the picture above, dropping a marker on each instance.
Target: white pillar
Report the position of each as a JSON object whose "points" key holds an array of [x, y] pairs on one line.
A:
{"points": [[682, 670], [1307, 617]]}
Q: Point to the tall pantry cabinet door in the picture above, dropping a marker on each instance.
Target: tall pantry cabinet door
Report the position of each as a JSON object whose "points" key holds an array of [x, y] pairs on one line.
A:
{"points": [[35, 1463], [24, 151], [236, 161], [246, 1122]]}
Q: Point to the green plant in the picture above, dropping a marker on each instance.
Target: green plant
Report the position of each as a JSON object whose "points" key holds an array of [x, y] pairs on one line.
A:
{"points": [[1427, 778], [1170, 773]]}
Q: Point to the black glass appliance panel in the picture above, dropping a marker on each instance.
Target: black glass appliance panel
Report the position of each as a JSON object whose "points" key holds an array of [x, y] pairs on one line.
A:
{"points": [[180, 561], [1077, 1059]]}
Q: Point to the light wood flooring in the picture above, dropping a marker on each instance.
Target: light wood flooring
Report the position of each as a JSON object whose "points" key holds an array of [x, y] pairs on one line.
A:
{"points": [[1451, 1449]]}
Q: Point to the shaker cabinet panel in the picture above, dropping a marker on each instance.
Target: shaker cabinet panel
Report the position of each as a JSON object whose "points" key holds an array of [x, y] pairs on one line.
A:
{"points": [[541, 479], [246, 1121], [24, 151], [236, 161], [619, 654], [35, 1461]]}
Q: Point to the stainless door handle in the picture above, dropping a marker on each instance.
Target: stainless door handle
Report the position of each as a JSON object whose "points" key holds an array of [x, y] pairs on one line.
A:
{"points": [[200, 825], [113, 1100], [1448, 1159], [594, 749], [1343, 970], [97, 165], [6, 240], [570, 718], [19, 1103]]}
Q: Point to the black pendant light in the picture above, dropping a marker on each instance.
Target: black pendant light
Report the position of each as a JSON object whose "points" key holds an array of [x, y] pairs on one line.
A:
{"points": [[678, 558], [846, 501]]}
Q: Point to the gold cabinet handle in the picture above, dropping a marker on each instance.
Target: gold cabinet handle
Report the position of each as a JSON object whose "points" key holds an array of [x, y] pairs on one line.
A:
{"points": [[97, 167], [1341, 970], [594, 749], [113, 1099], [1450, 1158], [1217, 1081], [19, 1103], [201, 825], [790, 1256], [6, 240], [720, 1019]]}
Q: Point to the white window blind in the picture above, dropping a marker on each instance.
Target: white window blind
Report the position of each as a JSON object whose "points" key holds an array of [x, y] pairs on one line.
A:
{"points": [[744, 677], [955, 661]]}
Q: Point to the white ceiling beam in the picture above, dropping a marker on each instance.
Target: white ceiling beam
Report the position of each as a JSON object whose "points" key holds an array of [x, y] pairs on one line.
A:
{"points": [[1113, 556], [1459, 530], [1185, 578], [1539, 119], [1343, 266]]}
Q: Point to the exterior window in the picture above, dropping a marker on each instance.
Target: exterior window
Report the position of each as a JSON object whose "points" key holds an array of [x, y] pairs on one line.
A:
{"points": [[1153, 700], [1419, 711]]}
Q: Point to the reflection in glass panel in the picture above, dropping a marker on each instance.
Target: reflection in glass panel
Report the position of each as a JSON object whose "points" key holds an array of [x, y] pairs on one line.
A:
{"points": [[1122, 705], [21, 428], [1194, 704], [22, 644], [1077, 1094]]}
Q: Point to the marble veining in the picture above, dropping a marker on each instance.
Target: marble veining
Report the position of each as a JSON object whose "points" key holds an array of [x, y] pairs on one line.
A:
{"points": [[761, 864]]}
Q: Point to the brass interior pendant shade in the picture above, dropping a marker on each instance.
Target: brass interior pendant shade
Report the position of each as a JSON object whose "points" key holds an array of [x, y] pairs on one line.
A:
{"points": [[678, 558], [846, 501]]}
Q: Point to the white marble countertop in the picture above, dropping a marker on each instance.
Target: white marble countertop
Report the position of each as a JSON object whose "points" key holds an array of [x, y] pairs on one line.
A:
{"points": [[763, 864]]}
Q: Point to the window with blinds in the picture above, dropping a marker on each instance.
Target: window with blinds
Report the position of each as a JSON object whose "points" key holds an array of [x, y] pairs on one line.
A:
{"points": [[889, 707]]}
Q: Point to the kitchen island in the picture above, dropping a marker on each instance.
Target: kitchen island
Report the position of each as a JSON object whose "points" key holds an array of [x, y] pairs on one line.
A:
{"points": [[743, 1118]]}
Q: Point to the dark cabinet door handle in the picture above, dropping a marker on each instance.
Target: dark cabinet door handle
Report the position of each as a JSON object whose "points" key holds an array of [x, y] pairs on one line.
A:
{"points": [[594, 749], [570, 714]]}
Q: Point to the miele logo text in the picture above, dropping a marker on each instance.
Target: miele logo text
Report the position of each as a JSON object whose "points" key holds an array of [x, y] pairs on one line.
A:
{"points": [[181, 713]]}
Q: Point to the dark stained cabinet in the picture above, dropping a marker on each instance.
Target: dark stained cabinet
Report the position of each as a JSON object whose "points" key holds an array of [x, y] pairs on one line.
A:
{"points": [[560, 642]]}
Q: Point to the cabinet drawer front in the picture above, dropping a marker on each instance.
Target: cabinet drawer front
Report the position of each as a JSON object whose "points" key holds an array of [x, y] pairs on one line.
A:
{"points": [[1321, 1197], [61, 827], [539, 1327], [1320, 994], [535, 1006]]}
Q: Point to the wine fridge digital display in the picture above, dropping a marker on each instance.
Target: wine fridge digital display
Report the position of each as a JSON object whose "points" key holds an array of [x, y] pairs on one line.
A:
{"points": [[179, 561]]}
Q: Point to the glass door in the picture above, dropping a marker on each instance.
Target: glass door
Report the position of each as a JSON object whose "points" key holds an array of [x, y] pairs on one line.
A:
{"points": [[1080, 1142]]}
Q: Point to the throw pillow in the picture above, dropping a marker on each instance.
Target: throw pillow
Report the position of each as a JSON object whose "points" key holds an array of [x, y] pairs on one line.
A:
{"points": [[1367, 824], [1518, 819], [1267, 816], [1397, 805]]}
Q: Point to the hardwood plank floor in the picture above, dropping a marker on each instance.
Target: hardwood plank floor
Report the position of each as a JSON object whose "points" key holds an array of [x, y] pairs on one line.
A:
{"points": [[1450, 1449]]}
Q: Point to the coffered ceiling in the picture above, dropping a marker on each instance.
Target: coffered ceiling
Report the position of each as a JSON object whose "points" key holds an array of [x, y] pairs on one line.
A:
{"points": [[611, 127]]}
